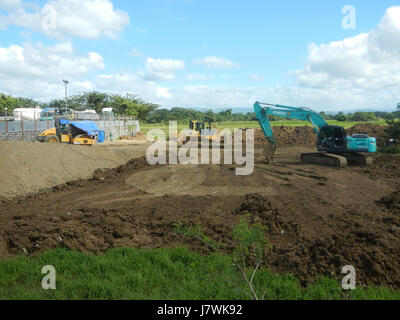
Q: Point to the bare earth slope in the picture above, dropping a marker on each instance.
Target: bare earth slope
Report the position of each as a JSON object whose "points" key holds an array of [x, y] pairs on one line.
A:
{"points": [[28, 167]]}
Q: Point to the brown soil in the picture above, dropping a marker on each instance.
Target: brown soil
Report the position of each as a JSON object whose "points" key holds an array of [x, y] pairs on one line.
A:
{"points": [[392, 201], [306, 136], [137, 137], [28, 167], [319, 219], [287, 136]]}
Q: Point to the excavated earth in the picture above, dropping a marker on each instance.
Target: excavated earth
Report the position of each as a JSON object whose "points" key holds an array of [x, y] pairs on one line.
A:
{"points": [[319, 219]]}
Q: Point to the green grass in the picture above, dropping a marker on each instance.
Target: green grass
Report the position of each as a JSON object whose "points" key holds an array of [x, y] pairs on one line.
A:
{"points": [[153, 274], [145, 127]]}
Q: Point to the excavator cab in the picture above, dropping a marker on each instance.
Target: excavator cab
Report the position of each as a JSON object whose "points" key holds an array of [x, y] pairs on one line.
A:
{"points": [[196, 126], [332, 139]]}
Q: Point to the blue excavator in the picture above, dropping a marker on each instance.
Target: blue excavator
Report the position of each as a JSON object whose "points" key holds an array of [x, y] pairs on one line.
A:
{"points": [[335, 147]]}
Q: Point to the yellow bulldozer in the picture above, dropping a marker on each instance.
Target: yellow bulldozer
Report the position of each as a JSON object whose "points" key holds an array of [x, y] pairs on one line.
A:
{"points": [[197, 129]]}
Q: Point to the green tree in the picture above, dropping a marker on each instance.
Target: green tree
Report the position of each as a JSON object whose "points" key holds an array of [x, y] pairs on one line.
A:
{"points": [[131, 105], [341, 117], [210, 118], [394, 129], [363, 116], [123, 105], [7, 102], [397, 112]]}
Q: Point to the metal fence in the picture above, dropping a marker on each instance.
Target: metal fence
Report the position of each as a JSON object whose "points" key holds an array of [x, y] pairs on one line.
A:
{"points": [[27, 130]]}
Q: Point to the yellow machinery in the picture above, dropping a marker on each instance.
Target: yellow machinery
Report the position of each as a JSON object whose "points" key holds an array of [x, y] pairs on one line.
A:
{"points": [[51, 136], [197, 129], [62, 133]]}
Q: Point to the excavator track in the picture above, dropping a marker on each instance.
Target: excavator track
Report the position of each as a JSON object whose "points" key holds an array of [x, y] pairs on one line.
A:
{"points": [[326, 159], [361, 159]]}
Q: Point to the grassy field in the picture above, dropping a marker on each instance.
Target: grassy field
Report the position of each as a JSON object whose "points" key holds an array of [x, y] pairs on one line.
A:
{"points": [[144, 127], [154, 274]]}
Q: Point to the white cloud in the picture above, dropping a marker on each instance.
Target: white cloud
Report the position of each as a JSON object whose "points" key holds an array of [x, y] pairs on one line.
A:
{"points": [[136, 53], [215, 63], [132, 83], [90, 19], [244, 96], [9, 4], [199, 77], [368, 61], [35, 70], [358, 72], [163, 93], [163, 69], [256, 78]]}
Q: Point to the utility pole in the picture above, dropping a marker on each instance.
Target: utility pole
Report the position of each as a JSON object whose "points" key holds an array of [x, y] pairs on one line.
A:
{"points": [[66, 97]]}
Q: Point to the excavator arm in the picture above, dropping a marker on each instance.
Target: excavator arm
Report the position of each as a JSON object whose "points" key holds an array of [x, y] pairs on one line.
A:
{"points": [[263, 110]]}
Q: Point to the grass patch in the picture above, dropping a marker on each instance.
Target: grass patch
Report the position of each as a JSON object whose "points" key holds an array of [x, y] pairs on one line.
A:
{"points": [[154, 274]]}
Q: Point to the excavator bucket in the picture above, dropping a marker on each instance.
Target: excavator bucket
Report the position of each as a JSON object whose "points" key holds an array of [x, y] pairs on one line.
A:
{"points": [[269, 152]]}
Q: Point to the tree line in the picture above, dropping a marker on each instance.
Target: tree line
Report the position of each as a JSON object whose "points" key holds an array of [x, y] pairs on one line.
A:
{"points": [[132, 105]]}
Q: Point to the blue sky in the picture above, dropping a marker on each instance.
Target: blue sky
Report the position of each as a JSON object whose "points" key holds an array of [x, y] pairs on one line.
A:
{"points": [[201, 53]]}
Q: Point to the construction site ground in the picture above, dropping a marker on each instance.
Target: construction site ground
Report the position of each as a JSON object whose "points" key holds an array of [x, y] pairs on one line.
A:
{"points": [[319, 219]]}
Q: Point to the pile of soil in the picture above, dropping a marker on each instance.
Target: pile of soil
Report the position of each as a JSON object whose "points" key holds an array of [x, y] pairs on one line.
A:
{"points": [[392, 202], [306, 136], [130, 138], [346, 240], [27, 167], [384, 166], [137, 137], [288, 136], [373, 130]]}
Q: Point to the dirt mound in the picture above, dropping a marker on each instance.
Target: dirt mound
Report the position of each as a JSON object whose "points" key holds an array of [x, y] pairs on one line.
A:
{"points": [[350, 243], [137, 137], [28, 167], [288, 136], [384, 166], [392, 202], [372, 130]]}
